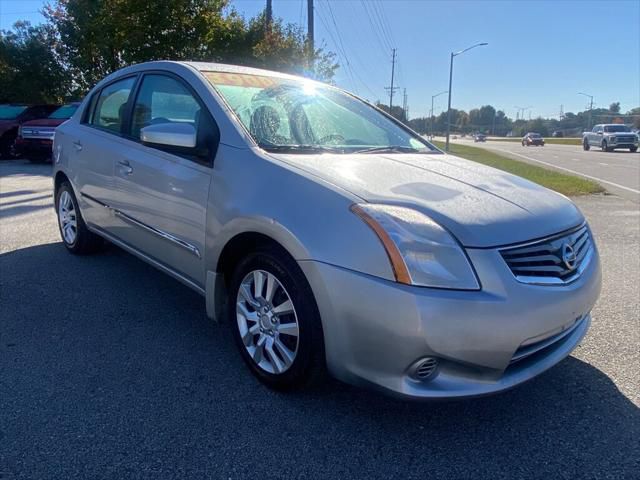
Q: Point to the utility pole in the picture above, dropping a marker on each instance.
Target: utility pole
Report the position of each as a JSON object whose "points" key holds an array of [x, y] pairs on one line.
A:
{"points": [[404, 105], [590, 107], [269, 15], [392, 88], [310, 32]]}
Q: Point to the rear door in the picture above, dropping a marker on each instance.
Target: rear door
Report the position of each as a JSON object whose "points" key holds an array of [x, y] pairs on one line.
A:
{"points": [[163, 193], [94, 148]]}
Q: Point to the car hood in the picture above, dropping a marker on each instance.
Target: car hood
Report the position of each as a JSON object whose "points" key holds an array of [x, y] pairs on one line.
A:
{"points": [[45, 122], [482, 206]]}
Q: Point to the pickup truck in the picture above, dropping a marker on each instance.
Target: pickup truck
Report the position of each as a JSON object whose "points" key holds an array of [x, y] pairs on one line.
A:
{"points": [[608, 137]]}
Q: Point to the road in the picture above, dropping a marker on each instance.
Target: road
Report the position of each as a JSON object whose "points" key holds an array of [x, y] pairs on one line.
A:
{"points": [[110, 369], [618, 172]]}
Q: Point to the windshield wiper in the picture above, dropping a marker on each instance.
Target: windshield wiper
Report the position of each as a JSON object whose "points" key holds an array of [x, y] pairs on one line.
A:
{"points": [[391, 149], [299, 148]]}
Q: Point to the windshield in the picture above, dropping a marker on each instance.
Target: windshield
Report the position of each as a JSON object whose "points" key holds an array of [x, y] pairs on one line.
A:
{"points": [[66, 111], [291, 115], [616, 128], [9, 112], [534, 135]]}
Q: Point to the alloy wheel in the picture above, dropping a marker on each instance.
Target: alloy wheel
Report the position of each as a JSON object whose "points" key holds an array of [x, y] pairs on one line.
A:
{"points": [[67, 218], [267, 322]]}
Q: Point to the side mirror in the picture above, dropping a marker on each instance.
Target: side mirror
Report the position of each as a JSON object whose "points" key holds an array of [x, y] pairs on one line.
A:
{"points": [[599, 133], [182, 135]]}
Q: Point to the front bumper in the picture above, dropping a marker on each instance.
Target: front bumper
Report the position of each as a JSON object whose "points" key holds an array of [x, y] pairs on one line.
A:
{"points": [[375, 330]]}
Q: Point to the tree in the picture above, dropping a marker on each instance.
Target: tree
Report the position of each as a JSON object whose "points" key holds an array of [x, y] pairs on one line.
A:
{"points": [[634, 114], [396, 112], [98, 37], [614, 107], [30, 72], [284, 48]]}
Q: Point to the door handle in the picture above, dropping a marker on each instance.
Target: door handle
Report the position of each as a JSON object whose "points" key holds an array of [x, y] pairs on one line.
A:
{"points": [[125, 168], [77, 145]]}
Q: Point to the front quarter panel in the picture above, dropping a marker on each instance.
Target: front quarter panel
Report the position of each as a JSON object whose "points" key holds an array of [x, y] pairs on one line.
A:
{"points": [[252, 192]]}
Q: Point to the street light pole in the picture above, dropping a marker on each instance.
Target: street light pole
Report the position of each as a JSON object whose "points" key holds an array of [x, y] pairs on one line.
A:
{"points": [[432, 98], [590, 107], [446, 147]]}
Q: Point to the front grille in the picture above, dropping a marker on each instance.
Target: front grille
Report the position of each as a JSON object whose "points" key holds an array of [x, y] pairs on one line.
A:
{"points": [[553, 261], [40, 133], [625, 139]]}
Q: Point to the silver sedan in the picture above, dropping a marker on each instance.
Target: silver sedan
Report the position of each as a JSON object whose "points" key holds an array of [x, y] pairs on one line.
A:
{"points": [[330, 236]]}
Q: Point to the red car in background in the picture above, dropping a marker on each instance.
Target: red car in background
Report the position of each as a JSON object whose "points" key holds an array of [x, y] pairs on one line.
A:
{"points": [[12, 116], [35, 138]]}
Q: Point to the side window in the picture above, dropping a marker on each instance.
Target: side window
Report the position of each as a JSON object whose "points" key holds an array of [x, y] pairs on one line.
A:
{"points": [[162, 99], [110, 108]]}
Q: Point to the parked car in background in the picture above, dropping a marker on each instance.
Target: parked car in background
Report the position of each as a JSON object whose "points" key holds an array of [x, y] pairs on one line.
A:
{"points": [[327, 234], [534, 139], [557, 134], [610, 137], [11, 117], [479, 137], [35, 137]]}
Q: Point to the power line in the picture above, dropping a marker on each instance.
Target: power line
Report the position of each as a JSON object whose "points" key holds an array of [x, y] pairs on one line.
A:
{"points": [[353, 73], [341, 54], [382, 17], [374, 28]]}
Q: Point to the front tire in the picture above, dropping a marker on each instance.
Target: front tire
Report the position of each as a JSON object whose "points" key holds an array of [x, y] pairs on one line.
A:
{"points": [[605, 147], [77, 238], [585, 145], [633, 149], [275, 320]]}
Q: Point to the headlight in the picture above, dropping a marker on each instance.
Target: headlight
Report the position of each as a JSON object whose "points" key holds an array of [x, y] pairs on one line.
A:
{"points": [[421, 252]]}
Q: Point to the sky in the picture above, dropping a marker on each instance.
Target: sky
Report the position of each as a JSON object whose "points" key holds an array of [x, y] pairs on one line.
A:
{"points": [[540, 53]]}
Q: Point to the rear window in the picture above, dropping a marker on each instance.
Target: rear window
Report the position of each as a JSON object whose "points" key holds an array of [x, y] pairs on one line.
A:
{"points": [[9, 112]]}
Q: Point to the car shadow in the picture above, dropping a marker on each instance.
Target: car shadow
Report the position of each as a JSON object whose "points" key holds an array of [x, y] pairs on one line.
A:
{"points": [[114, 360]]}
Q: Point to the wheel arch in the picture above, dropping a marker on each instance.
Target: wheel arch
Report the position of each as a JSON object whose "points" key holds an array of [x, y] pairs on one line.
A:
{"points": [[241, 236]]}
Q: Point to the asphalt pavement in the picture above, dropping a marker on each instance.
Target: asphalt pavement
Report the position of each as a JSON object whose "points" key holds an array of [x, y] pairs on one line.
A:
{"points": [[110, 369], [618, 172]]}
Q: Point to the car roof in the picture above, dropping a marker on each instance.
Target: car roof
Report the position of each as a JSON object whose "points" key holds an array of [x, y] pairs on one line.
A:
{"points": [[227, 68]]}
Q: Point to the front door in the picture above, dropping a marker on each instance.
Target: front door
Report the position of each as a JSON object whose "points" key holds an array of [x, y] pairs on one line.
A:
{"points": [[163, 194]]}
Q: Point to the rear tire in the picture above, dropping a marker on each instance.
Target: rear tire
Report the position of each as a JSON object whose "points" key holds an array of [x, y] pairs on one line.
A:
{"points": [[633, 149], [585, 145], [262, 326], [76, 237]]}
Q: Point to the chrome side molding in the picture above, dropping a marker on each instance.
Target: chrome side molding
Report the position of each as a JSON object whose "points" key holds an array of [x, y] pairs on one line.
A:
{"points": [[134, 221]]}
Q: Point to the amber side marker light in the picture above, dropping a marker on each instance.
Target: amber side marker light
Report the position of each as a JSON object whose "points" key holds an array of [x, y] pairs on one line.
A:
{"points": [[395, 258]]}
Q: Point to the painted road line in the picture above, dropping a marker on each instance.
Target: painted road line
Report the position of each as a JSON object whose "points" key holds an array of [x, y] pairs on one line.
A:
{"points": [[617, 185]]}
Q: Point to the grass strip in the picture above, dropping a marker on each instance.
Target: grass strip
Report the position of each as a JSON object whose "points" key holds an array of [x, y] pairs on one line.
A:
{"points": [[569, 185]]}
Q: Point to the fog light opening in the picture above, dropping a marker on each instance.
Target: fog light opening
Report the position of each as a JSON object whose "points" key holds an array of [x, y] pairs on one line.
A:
{"points": [[424, 369]]}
